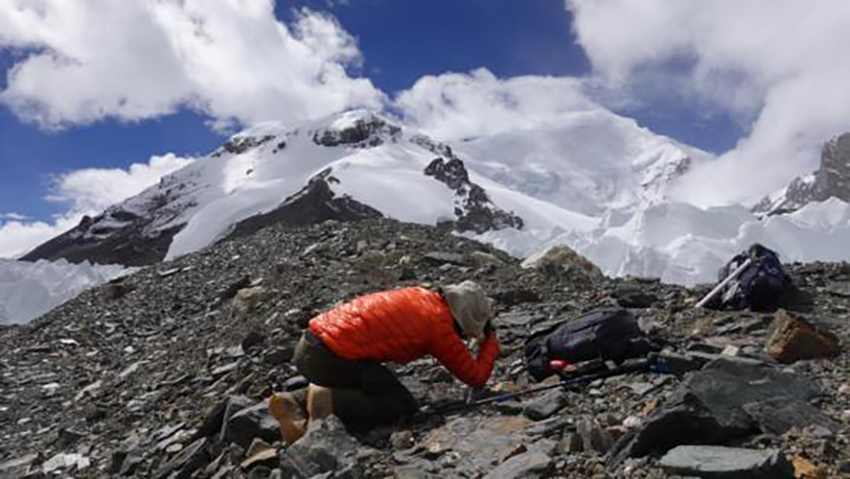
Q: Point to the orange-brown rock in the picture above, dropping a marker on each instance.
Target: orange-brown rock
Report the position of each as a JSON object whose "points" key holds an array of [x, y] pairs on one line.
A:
{"points": [[794, 339]]}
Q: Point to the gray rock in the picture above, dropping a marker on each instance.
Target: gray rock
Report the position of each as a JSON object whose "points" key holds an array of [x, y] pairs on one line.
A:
{"points": [[513, 297], [593, 436], [186, 461], [514, 320], [251, 423], [437, 258], [215, 418], [259, 472], [252, 339], [17, 466], [634, 297], [778, 416], [533, 463], [570, 444], [545, 405], [279, 355], [715, 462], [413, 471], [295, 382], [511, 407], [709, 408], [326, 447]]}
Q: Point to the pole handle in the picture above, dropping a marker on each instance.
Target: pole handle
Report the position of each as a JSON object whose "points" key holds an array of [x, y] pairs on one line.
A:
{"points": [[746, 264]]}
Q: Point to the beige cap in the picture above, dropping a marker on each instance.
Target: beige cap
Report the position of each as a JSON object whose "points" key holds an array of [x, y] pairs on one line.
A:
{"points": [[470, 307]]}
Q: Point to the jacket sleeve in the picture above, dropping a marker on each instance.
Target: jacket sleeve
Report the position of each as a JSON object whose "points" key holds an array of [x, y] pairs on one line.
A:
{"points": [[451, 352]]}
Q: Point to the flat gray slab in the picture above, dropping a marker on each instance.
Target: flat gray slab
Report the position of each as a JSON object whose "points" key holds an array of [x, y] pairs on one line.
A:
{"points": [[716, 462]]}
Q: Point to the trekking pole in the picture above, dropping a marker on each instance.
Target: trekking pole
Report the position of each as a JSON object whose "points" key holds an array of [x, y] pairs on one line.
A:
{"points": [[723, 283], [645, 365]]}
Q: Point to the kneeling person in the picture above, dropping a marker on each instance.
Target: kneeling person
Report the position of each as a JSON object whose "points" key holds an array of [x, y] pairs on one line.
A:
{"points": [[341, 353]]}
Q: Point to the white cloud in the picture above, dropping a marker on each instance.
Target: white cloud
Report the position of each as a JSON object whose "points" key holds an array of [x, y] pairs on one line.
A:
{"points": [[12, 217], [19, 237], [85, 192], [459, 105], [95, 189], [139, 59], [779, 66]]}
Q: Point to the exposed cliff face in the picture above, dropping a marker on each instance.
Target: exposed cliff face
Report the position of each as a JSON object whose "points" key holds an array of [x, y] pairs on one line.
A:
{"points": [[831, 180], [131, 235], [473, 208], [272, 174], [315, 203]]}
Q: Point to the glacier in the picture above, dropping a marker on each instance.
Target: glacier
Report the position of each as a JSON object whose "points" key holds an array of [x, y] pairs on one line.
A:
{"points": [[28, 290]]}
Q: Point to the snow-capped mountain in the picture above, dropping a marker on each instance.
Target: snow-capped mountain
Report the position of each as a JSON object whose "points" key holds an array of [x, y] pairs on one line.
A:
{"points": [[354, 165], [360, 164], [587, 161], [831, 180]]}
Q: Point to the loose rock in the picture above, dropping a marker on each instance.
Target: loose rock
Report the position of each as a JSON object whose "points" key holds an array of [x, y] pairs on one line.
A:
{"points": [[714, 462]]}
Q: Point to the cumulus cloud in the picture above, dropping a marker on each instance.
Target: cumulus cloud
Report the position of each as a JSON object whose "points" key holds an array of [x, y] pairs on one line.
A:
{"points": [[83, 192], [19, 237], [95, 189], [459, 105], [139, 59], [777, 65]]}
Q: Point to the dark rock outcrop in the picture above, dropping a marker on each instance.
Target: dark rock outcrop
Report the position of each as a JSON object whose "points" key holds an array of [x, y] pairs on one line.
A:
{"points": [[473, 208], [367, 132], [314, 203], [718, 404], [831, 180], [127, 243]]}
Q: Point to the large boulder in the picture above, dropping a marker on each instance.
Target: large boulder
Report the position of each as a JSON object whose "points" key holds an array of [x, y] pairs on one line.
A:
{"points": [[326, 447], [728, 399], [251, 423], [560, 261]]}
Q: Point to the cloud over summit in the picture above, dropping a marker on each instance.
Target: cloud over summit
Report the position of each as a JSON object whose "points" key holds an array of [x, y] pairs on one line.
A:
{"points": [[779, 66]]}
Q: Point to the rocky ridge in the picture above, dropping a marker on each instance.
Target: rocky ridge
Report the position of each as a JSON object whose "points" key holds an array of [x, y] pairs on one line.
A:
{"points": [[139, 231], [831, 180], [165, 373]]}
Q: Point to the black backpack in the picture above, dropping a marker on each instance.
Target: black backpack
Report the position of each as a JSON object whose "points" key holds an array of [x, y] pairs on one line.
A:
{"points": [[606, 333], [760, 287]]}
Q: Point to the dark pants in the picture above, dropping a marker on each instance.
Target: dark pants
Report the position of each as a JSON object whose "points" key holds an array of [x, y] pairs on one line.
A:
{"points": [[365, 393]]}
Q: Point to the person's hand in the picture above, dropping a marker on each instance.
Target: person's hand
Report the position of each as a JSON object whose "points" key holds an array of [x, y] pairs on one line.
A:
{"points": [[489, 330]]}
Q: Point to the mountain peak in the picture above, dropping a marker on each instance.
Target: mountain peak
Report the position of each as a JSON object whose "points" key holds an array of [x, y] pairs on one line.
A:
{"points": [[831, 180]]}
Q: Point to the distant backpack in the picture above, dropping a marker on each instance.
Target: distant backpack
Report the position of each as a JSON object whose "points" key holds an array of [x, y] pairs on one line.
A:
{"points": [[760, 287], [606, 333]]}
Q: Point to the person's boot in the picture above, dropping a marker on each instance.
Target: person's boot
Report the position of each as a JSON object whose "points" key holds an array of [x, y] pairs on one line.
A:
{"points": [[319, 402], [284, 407]]}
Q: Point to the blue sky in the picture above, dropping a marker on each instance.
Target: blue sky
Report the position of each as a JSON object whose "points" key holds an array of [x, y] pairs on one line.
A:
{"points": [[399, 41]]}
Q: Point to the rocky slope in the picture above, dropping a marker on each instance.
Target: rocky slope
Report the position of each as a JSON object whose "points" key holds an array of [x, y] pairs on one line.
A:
{"points": [[831, 180], [165, 374]]}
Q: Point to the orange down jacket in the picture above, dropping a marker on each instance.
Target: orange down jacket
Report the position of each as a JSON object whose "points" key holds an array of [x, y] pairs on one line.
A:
{"points": [[400, 326]]}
